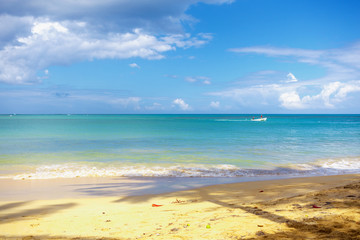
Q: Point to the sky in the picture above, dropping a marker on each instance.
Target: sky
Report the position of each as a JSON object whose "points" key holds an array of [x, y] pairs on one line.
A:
{"points": [[180, 56]]}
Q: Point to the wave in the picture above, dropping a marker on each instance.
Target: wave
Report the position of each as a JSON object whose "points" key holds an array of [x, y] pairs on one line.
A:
{"points": [[73, 170], [232, 120]]}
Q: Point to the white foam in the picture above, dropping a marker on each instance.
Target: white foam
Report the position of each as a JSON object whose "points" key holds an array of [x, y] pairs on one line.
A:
{"points": [[75, 170], [341, 163], [332, 166], [320, 167]]}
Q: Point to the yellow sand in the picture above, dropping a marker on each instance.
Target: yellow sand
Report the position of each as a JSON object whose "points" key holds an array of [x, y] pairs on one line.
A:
{"points": [[276, 209]]}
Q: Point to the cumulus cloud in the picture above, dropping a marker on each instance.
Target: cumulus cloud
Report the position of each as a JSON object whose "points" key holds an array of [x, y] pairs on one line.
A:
{"points": [[293, 97], [134, 65], [40, 34], [291, 78], [54, 43], [110, 15], [329, 96], [15, 27], [291, 100], [331, 91], [181, 104]]}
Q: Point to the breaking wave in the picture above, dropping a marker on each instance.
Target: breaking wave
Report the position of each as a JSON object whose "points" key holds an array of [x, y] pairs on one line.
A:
{"points": [[73, 170]]}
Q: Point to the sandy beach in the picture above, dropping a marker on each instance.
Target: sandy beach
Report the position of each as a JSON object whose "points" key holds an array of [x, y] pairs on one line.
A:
{"points": [[300, 208]]}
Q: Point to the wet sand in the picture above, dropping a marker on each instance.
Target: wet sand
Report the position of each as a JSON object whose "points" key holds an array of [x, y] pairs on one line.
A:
{"points": [[299, 208]]}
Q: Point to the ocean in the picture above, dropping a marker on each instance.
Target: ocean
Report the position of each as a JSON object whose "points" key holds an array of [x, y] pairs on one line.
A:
{"points": [[177, 146]]}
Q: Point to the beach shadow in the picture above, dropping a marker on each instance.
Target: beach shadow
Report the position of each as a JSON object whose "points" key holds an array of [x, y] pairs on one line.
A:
{"points": [[13, 205], [315, 229], [326, 227], [205, 196], [113, 189], [50, 237], [152, 189], [312, 228], [138, 186], [135, 186], [29, 213]]}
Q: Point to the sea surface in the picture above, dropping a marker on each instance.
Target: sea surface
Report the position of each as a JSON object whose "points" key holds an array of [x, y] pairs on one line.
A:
{"points": [[69, 146]]}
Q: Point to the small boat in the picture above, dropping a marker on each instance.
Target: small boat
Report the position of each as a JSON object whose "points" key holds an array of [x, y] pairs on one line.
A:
{"points": [[259, 119]]}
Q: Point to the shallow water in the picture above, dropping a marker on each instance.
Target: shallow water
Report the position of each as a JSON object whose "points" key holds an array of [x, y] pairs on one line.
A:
{"points": [[58, 146]]}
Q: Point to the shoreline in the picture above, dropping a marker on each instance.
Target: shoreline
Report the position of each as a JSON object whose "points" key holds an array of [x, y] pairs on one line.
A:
{"points": [[275, 209], [92, 187]]}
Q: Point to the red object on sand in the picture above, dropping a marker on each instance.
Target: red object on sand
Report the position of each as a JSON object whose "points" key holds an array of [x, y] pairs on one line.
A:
{"points": [[261, 191], [314, 206], [155, 205]]}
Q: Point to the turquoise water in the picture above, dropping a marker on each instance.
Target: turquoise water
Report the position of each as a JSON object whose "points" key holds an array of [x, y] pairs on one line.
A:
{"points": [[51, 146]]}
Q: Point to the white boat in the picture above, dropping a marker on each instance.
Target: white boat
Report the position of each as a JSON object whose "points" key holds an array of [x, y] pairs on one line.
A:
{"points": [[259, 119]]}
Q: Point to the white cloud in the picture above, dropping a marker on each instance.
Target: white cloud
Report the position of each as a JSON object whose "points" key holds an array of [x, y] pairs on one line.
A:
{"points": [[272, 51], [291, 78], [200, 79], [330, 95], [291, 100], [190, 79], [134, 65], [39, 34], [186, 40], [13, 27], [207, 82], [215, 104], [181, 104], [45, 28], [155, 106], [125, 102], [110, 15], [54, 43], [332, 91], [293, 96], [327, 92], [171, 76], [346, 89], [344, 61]]}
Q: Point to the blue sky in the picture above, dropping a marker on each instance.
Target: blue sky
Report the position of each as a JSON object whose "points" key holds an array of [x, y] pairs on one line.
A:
{"points": [[188, 56]]}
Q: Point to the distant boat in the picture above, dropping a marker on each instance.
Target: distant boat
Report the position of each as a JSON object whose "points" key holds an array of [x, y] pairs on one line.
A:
{"points": [[259, 119]]}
